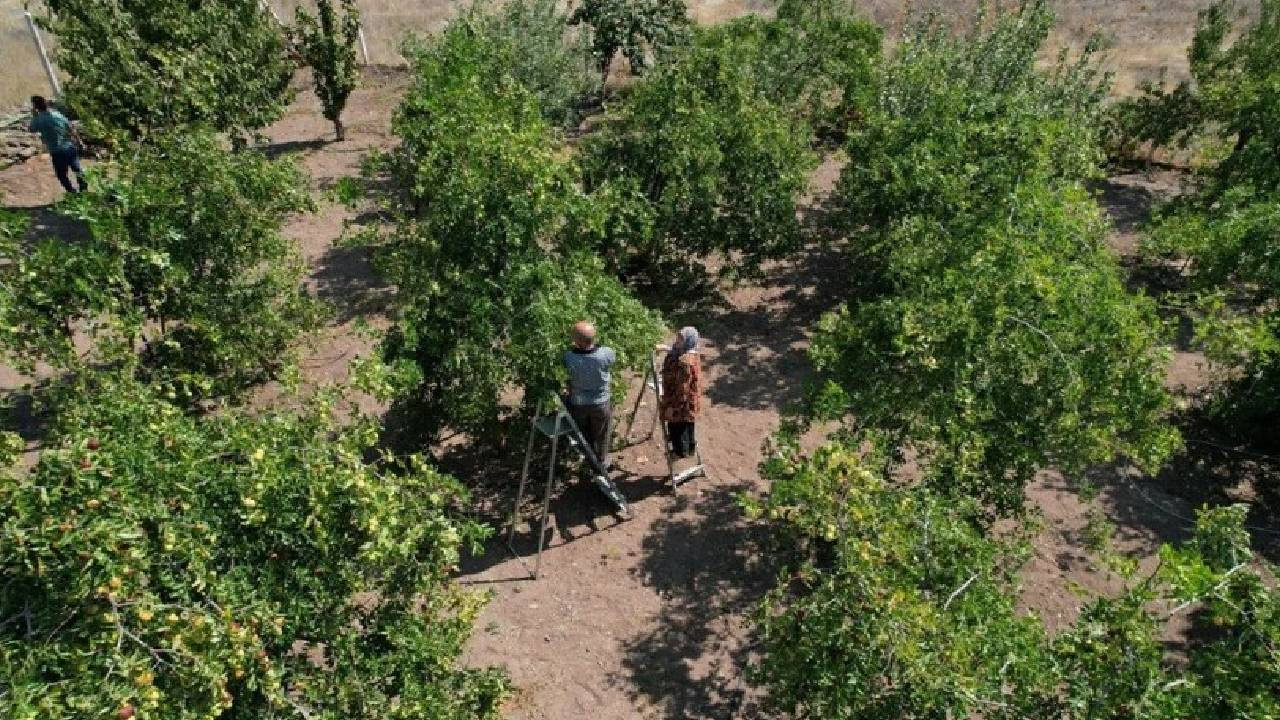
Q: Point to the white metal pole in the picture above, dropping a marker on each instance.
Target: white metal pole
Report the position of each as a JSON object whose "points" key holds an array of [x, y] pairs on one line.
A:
{"points": [[364, 47], [268, 8], [44, 56]]}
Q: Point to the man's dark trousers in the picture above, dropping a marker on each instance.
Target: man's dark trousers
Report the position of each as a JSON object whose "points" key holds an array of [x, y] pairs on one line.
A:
{"points": [[593, 421], [65, 161]]}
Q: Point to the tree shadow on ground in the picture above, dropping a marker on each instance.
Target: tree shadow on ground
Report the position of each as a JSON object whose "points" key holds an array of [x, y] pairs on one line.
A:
{"points": [[766, 364], [703, 558], [1160, 509], [46, 222], [1128, 204], [277, 150], [682, 289], [22, 414], [344, 277], [577, 509]]}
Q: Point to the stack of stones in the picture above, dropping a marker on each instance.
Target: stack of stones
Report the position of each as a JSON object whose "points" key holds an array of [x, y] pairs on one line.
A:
{"points": [[16, 144]]}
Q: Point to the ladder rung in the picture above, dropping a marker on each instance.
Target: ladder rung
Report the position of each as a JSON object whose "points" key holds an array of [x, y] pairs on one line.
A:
{"points": [[612, 493], [685, 475]]}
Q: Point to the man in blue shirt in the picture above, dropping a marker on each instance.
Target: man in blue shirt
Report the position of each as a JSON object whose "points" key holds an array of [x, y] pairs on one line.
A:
{"points": [[61, 139], [589, 402]]}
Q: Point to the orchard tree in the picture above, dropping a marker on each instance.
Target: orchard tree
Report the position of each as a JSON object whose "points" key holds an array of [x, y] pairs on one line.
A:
{"points": [[184, 264], [816, 56], [327, 41], [962, 121], [636, 28], [547, 55], [699, 159], [990, 329], [897, 605], [997, 349], [1229, 228], [163, 565], [487, 283], [138, 66]]}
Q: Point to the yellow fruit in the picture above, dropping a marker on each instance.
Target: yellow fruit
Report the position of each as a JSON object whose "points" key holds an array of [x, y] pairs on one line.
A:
{"points": [[144, 678], [145, 615], [115, 583]]}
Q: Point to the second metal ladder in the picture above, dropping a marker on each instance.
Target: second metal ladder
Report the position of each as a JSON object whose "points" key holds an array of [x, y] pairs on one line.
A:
{"points": [[653, 382]]}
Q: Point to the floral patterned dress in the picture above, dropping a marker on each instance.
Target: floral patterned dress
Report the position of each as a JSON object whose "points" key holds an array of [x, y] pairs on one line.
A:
{"points": [[681, 388]]}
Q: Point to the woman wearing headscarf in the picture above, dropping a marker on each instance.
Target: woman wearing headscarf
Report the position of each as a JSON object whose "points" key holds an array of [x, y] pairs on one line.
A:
{"points": [[681, 392]]}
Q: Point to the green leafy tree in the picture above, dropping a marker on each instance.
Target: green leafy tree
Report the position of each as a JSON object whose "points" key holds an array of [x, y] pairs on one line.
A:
{"points": [[1155, 118], [137, 66], [699, 159], [820, 56], [327, 42], [898, 605], [548, 55], [184, 262], [1227, 227], [164, 565], [487, 283], [1001, 348], [636, 28], [989, 328], [963, 120]]}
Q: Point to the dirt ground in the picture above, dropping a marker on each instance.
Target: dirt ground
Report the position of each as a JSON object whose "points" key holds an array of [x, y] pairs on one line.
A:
{"points": [[645, 618]]}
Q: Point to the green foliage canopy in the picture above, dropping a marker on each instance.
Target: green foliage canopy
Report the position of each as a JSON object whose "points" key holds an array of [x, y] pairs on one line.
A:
{"points": [[327, 42], [184, 261], [900, 606], [817, 57], [137, 66], [488, 284], [700, 160], [637, 28], [963, 120], [1228, 226], [989, 329], [550, 57], [233, 566]]}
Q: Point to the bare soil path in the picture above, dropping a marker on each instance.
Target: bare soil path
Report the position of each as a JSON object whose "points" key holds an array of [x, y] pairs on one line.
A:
{"points": [[647, 618]]}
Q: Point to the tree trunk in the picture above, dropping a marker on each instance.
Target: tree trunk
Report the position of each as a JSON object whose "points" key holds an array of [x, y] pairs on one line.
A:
{"points": [[339, 130]]}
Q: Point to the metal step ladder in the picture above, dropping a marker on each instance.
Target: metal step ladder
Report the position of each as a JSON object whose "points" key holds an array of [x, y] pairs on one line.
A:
{"points": [[653, 382], [554, 422]]}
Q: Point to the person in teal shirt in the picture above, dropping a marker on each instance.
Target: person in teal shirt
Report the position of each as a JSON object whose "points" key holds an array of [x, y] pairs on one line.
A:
{"points": [[61, 139]]}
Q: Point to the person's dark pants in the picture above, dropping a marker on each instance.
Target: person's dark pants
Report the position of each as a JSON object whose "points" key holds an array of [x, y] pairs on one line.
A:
{"points": [[64, 162], [683, 442], [594, 423]]}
